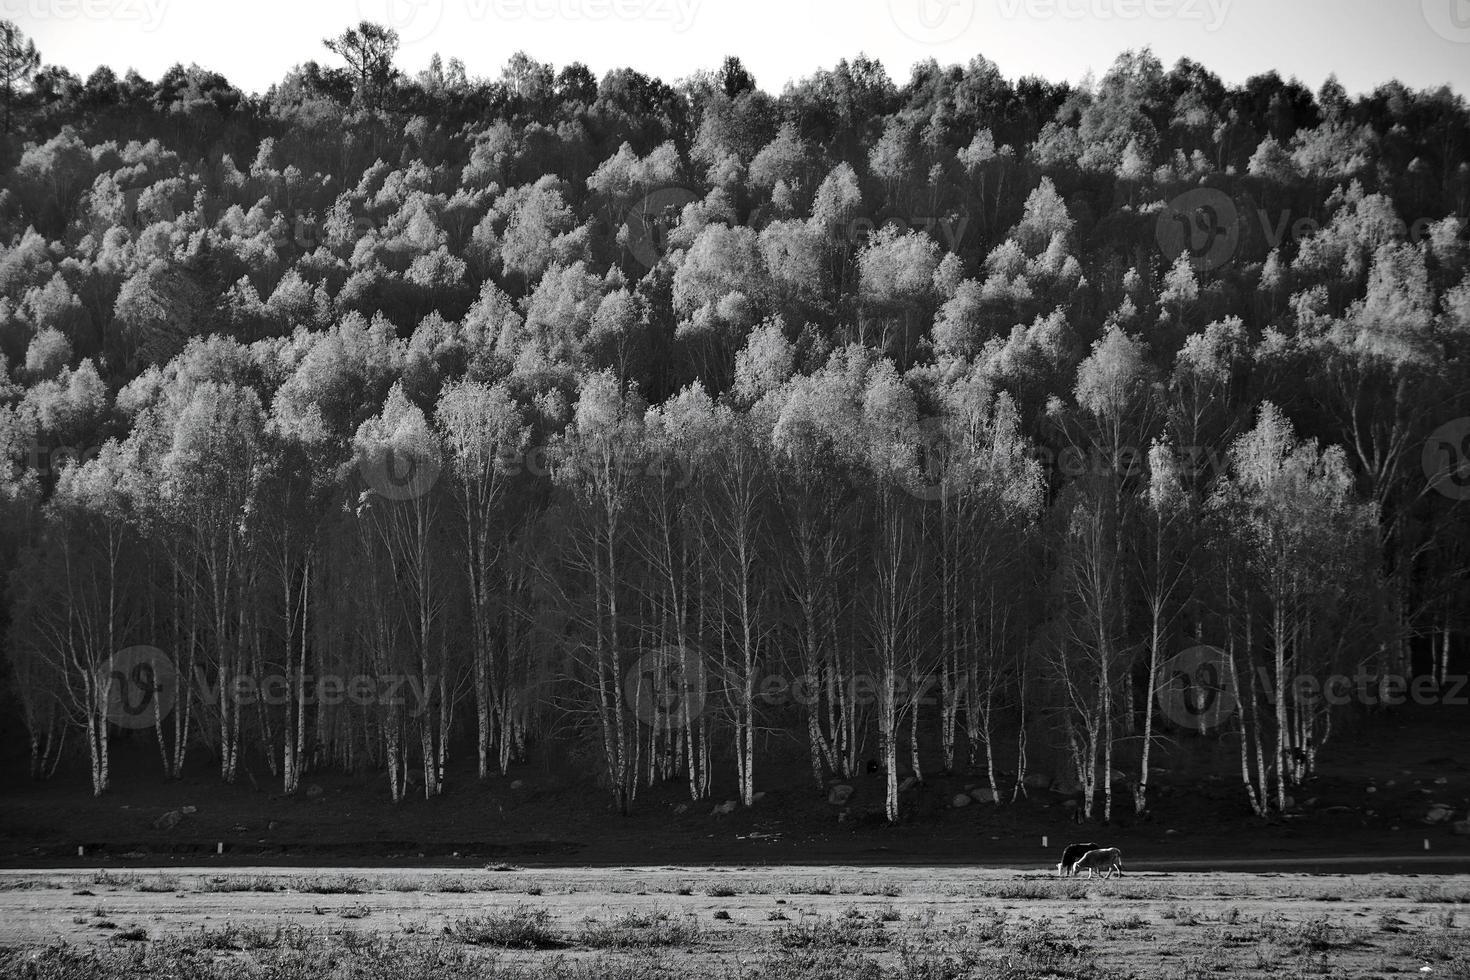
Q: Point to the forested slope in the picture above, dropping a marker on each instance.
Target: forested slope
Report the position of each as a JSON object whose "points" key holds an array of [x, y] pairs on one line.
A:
{"points": [[643, 419]]}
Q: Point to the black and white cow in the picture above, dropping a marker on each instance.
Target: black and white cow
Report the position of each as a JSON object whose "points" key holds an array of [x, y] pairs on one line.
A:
{"points": [[1071, 855], [1104, 859]]}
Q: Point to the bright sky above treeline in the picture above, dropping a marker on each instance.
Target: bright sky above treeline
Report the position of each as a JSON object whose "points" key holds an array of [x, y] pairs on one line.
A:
{"points": [[1423, 43]]}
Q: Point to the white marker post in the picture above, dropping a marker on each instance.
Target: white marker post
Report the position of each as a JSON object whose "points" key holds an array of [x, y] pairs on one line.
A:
{"points": [[219, 848], [81, 850], [1044, 841]]}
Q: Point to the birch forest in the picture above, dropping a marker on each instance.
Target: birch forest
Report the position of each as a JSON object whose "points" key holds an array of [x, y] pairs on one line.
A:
{"points": [[419, 425]]}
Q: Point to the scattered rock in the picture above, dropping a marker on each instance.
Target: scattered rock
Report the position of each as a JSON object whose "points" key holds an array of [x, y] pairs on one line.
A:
{"points": [[756, 798], [1442, 781], [314, 791], [1069, 804], [517, 784], [1371, 789], [272, 825], [1339, 808], [1037, 780], [1439, 813], [169, 820], [1462, 828], [962, 799], [839, 795], [725, 809], [983, 795], [188, 810], [909, 782], [682, 808], [1171, 833]]}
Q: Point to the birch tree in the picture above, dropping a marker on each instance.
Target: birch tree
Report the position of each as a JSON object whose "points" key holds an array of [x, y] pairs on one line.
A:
{"points": [[399, 458], [485, 437], [1299, 520], [596, 464]]}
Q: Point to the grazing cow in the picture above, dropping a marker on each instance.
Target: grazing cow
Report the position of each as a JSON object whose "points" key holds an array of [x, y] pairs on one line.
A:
{"points": [[1105, 859], [1070, 856]]}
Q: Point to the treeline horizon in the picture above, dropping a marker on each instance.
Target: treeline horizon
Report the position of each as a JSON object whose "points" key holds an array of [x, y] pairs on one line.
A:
{"points": [[553, 394]]}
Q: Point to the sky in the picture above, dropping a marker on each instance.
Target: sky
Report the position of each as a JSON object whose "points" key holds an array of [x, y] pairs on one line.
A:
{"points": [[1423, 43]]}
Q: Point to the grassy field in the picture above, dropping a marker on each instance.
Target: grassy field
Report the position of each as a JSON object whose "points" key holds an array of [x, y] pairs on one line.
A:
{"points": [[693, 923]]}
